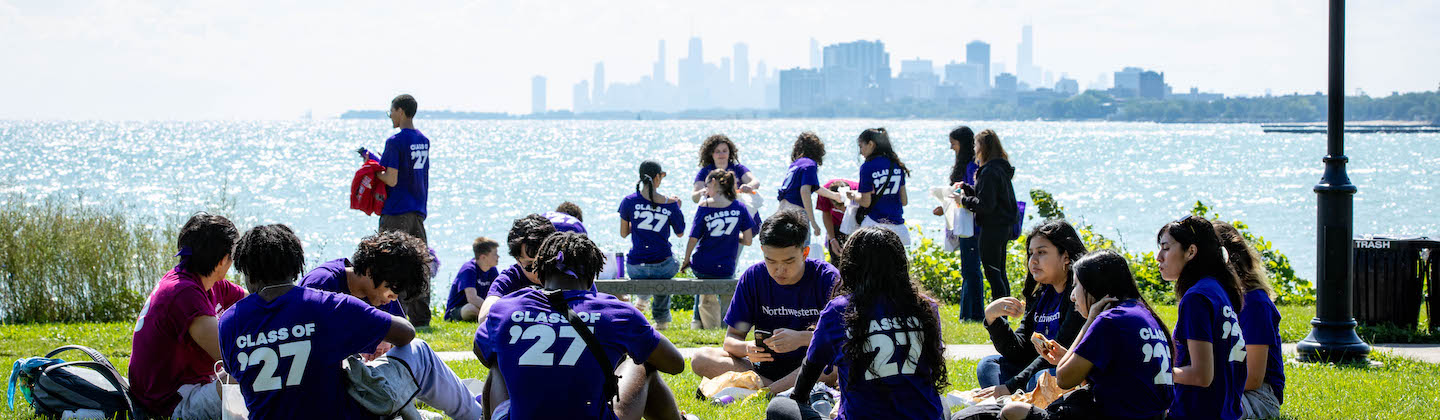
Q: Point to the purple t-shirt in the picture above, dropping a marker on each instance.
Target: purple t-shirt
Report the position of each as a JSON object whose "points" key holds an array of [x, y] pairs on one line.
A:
{"points": [[650, 228], [1260, 321], [470, 276], [761, 303], [510, 280], [330, 277], [564, 222], [409, 152], [544, 360], [287, 353], [1131, 377], [895, 385], [1047, 311], [738, 169], [883, 180], [803, 171], [718, 231], [1206, 315]]}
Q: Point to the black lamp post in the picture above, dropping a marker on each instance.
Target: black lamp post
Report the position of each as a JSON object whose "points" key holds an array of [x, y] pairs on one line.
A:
{"points": [[1332, 335]]}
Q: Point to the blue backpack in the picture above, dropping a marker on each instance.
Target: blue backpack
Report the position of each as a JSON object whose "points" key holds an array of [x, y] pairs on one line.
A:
{"points": [[1019, 225], [53, 386]]}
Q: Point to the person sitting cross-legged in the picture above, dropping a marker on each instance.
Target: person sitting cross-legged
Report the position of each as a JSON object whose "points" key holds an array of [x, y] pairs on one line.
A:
{"points": [[781, 296]]}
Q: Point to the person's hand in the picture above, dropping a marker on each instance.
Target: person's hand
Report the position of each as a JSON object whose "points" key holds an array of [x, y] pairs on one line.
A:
{"points": [[1053, 352], [787, 340], [757, 354], [967, 189], [853, 195], [996, 391], [379, 351], [676, 199], [685, 264], [1006, 306], [746, 189], [816, 227], [1101, 305]]}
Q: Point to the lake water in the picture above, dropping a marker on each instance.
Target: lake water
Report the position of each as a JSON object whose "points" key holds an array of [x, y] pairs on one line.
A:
{"points": [[1127, 179]]}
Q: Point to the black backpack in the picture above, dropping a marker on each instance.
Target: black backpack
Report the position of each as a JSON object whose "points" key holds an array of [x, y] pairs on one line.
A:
{"points": [[57, 386]]}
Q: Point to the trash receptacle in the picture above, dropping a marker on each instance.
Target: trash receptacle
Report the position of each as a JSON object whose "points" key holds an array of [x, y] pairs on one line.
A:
{"points": [[1390, 278], [1433, 305]]}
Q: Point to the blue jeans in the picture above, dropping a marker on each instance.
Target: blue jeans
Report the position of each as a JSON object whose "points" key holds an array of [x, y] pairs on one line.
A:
{"points": [[995, 370], [664, 270], [972, 286]]}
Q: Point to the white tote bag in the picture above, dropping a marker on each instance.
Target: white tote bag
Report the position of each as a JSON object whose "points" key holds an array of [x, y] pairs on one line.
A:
{"points": [[959, 222]]}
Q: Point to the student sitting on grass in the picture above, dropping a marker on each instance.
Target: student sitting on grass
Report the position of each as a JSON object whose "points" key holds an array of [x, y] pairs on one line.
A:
{"points": [[556, 352], [1210, 359], [1260, 320], [1051, 248], [473, 279], [567, 218], [285, 344], [883, 336], [384, 266], [176, 341], [781, 296], [1124, 353], [720, 227], [524, 239]]}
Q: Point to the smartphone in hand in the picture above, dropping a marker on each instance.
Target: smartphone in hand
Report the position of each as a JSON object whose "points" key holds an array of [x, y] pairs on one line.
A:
{"points": [[760, 337]]}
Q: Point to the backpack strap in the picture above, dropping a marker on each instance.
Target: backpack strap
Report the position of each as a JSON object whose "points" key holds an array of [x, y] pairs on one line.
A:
{"points": [[612, 381], [94, 355], [111, 375]]}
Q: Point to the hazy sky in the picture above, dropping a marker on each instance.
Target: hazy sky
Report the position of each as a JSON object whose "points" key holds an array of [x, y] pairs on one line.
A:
{"points": [[268, 59]]}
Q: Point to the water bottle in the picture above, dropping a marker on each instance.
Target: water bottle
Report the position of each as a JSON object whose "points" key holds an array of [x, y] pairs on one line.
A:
{"points": [[723, 400]]}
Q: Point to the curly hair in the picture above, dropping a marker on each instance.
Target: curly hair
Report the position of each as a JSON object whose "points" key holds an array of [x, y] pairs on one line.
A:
{"points": [[528, 232], [725, 180], [874, 271], [708, 148], [808, 145], [569, 254], [571, 209], [269, 255], [208, 238], [1065, 239], [1243, 259], [1209, 260], [396, 259]]}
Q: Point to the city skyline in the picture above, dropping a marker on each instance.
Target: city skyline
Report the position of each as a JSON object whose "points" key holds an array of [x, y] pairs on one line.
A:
{"points": [[118, 59]]}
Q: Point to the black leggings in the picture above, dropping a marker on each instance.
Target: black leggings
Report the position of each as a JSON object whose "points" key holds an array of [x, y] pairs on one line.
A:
{"points": [[993, 243]]}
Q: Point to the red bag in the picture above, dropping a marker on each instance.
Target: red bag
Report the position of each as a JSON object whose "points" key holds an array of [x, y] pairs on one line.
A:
{"points": [[367, 192]]}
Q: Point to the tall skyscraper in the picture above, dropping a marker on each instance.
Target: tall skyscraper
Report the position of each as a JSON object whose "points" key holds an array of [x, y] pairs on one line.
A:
{"points": [[660, 64], [580, 97], [815, 62], [1025, 66], [742, 66], [537, 95], [978, 53], [598, 97], [692, 76]]}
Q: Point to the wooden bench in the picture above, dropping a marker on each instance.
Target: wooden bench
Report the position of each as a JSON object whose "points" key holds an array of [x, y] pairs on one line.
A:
{"points": [[667, 286]]}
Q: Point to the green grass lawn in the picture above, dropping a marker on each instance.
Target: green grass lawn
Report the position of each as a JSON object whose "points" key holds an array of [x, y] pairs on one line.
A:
{"points": [[1400, 388]]}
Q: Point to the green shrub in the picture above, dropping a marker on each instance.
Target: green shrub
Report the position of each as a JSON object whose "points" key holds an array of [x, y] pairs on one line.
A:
{"points": [[939, 271], [62, 262]]}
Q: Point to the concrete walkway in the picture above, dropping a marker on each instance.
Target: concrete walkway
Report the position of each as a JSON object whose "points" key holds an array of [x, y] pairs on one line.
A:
{"points": [[1428, 353]]}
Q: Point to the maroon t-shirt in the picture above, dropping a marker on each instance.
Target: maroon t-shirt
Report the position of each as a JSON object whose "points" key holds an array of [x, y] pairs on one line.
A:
{"points": [[836, 215], [162, 355]]}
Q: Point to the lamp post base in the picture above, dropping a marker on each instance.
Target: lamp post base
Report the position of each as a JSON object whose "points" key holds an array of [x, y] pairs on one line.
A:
{"points": [[1333, 342]]}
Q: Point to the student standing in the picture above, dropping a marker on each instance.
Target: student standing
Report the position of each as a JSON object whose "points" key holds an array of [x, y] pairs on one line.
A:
{"points": [[992, 198], [882, 184], [719, 153], [972, 286], [407, 172], [802, 180]]}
